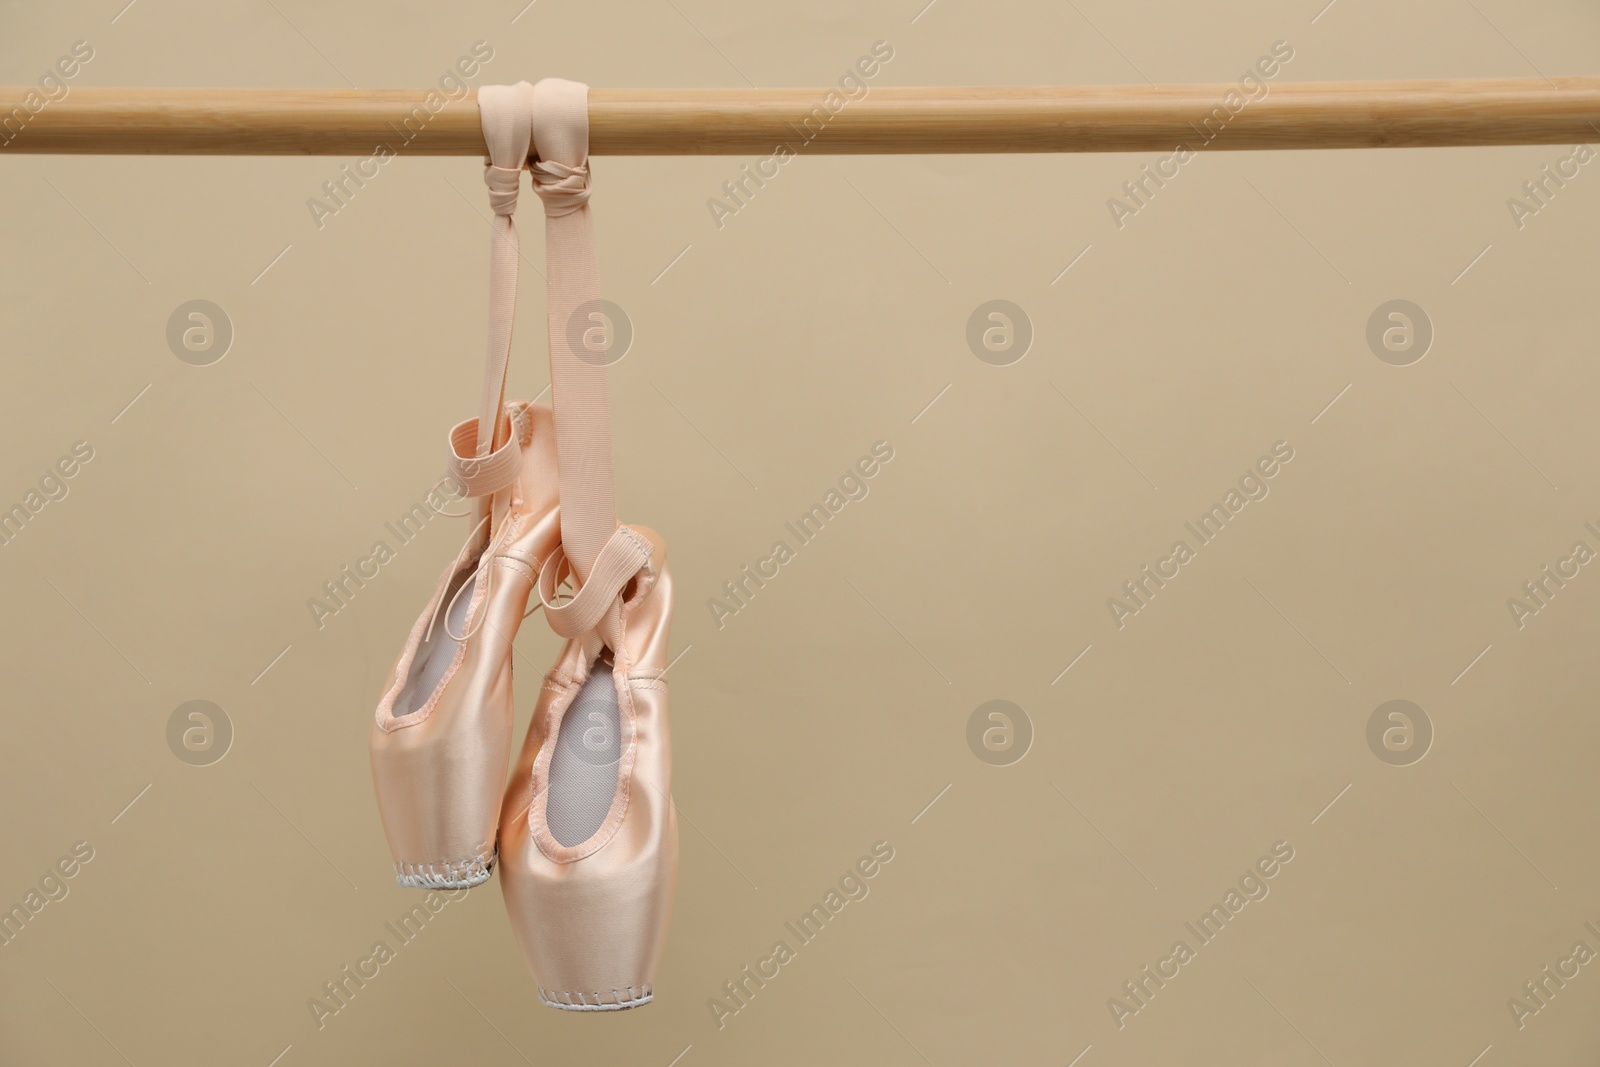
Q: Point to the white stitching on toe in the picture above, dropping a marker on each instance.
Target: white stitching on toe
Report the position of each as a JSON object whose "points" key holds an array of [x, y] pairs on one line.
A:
{"points": [[568, 1000], [460, 874]]}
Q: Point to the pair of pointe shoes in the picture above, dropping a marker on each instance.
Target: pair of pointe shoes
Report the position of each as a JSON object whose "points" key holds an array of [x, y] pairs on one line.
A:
{"points": [[585, 836]]}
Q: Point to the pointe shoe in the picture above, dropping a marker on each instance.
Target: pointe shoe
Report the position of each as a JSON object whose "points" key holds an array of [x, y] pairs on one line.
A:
{"points": [[441, 740], [588, 833]]}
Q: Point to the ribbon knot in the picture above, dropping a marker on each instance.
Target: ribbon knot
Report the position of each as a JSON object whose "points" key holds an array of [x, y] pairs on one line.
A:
{"points": [[503, 183], [563, 189]]}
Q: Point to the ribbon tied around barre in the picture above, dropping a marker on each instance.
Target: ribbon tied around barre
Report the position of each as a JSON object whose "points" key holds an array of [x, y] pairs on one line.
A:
{"points": [[563, 189]]}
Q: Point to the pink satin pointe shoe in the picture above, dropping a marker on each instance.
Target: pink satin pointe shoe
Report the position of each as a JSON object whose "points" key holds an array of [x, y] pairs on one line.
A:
{"points": [[588, 833], [441, 742]]}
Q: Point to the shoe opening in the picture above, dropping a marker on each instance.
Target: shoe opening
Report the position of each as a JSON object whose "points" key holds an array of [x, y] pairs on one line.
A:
{"points": [[438, 648], [583, 769]]}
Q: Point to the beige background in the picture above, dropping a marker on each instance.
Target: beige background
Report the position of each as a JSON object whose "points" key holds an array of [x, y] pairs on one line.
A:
{"points": [[827, 715]]}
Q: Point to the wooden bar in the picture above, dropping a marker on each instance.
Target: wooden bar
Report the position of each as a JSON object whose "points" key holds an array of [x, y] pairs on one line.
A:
{"points": [[1088, 118]]}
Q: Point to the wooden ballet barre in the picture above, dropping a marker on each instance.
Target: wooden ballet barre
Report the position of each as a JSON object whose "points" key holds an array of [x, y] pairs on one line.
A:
{"points": [[1086, 118]]}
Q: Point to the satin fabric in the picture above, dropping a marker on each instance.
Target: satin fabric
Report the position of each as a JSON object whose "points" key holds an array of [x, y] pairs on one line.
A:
{"points": [[592, 918], [439, 771]]}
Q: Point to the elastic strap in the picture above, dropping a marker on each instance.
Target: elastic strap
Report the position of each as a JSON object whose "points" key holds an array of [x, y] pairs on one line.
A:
{"points": [[617, 563], [476, 475]]}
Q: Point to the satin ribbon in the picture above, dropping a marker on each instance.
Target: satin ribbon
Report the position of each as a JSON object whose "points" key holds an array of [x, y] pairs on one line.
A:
{"points": [[590, 534], [506, 114], [598, 556]]}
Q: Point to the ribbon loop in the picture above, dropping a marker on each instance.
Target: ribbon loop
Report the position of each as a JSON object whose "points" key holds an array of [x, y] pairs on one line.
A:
{"points": [[563, 189], [475, 475], [504, 183]]}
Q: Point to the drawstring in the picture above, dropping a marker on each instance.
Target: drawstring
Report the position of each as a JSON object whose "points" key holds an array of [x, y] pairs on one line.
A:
{"points": [[483, 558], [563, 574], [487, 590]]}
